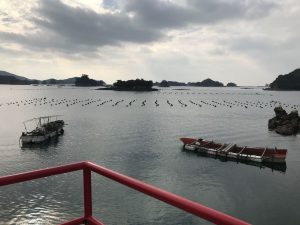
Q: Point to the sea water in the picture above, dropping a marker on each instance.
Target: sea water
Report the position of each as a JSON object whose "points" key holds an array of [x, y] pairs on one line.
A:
{"points": [[143, 142]]}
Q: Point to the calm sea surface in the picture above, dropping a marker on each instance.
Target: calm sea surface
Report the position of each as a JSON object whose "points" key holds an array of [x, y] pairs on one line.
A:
{"points": [[142, 142]]}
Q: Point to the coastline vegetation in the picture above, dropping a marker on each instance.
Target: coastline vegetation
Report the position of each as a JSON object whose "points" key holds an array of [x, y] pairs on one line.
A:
{"points": [[85, 81], [133, 85]]}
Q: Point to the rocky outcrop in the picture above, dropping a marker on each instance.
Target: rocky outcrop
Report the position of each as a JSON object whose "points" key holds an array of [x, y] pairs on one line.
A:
{"points": [[283, 123], [289, 81], [207, 83], [231, 84]]}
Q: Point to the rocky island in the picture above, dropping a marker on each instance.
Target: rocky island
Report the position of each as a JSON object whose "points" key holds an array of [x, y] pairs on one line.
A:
{"points": [[283, 123], [207, 83], [231, 84], [289, 81], [131, 85], [85, 81], [168, 83]]}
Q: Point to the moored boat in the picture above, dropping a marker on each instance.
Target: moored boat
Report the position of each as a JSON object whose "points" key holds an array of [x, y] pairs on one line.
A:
{"points": [[232, 151], [47, 127]]}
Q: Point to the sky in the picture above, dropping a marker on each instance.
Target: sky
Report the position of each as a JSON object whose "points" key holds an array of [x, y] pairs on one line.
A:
{"points": [[249, 42]]}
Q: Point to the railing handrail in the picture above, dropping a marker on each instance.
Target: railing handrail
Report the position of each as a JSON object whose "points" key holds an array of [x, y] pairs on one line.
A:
{"points": [[195, 208]]}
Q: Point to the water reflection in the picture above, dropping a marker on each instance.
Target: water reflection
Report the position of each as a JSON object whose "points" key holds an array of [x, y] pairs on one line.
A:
{"points": [[53, 142], [141, 140], [280, 167]]}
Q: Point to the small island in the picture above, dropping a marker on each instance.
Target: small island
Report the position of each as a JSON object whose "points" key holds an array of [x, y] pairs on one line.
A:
{"points": [[165, 83], [207, 83], [231, 84], [131, 85], [85, 81], [286, 82]]}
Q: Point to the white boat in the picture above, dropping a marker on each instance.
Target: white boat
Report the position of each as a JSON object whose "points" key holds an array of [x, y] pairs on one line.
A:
{"points": [[47, 127]]}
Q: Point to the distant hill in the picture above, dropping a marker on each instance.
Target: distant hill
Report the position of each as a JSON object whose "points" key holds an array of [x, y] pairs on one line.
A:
{"points": [[207, 83], [4, 73], [231, 84], [10, 78], [290, 81], [63, 81], [85, 81], [13, 80], [133, 85]]}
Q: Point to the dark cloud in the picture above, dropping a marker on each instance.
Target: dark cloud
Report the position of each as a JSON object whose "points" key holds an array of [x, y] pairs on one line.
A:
{"points": [[63, 28], [166, 14]]}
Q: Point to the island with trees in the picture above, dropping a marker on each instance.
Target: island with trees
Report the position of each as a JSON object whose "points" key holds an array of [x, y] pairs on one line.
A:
{"points": [[165, 83], [85, 81], [207, 83], [289, 81], [133, 85], [231, 84], [119, 85]]}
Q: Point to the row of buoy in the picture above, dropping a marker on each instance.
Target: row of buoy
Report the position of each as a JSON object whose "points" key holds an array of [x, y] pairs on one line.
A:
{"points": [[194, 103], [169, 103], [118, 102], [209, 93], [131, 102], [85, 102], [182, 104], [156, 103]]}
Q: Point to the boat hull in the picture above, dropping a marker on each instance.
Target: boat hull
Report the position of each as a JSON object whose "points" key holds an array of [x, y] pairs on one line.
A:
{"points": [[235, 152], [37, 139]]}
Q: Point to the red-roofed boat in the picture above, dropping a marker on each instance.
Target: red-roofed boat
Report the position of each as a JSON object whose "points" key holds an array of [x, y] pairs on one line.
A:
{"points": [[232, 151]]}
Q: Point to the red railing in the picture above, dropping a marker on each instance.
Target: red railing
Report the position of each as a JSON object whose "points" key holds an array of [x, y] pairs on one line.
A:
{"points": [[162, 195]]}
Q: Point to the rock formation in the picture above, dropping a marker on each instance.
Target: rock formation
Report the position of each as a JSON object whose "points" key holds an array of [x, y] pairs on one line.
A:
{"points": [[283, 123], [289, 81], [231, 84], [207, 83]]}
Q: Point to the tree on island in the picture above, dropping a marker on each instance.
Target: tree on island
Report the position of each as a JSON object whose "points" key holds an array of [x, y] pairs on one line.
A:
{"points": [[230, 84], [133, 85], [207, 83], [164, 83], [85, 81]]}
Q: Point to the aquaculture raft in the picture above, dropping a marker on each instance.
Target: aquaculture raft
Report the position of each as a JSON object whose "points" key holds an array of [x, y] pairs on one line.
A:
{"points": [[232, 151], [46, 128]]}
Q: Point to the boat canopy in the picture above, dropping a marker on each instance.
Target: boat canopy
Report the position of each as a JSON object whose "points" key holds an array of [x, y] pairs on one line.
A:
{"points": [[39, 120], [42, 118]]}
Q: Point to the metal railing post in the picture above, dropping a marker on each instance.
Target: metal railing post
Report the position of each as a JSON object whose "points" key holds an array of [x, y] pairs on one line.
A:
{"points": [[87, 189]]}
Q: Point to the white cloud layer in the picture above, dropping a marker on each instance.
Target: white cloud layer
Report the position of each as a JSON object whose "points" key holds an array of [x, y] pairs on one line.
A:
{"points": [[248, 42]]}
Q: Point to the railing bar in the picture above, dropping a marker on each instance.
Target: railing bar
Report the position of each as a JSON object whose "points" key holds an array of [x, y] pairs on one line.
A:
{"points": [[77, 221], [94, 221], [175, 200], [21, 177], [172, 199], [87, 188]]}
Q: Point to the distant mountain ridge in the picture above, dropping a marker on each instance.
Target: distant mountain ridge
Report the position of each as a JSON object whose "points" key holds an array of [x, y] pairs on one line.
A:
{"points": [[4, 73], [10, 78], [63, 81]]}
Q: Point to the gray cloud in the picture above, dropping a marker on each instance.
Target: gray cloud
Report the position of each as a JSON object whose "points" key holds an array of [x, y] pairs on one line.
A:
{"points": [[63, 28], [166, 14]]}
